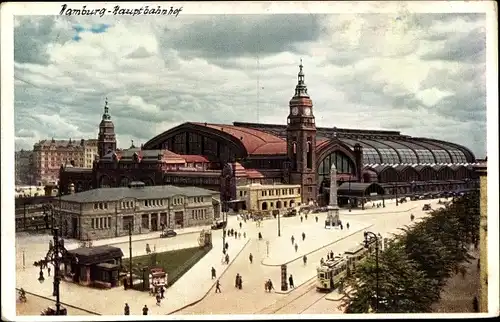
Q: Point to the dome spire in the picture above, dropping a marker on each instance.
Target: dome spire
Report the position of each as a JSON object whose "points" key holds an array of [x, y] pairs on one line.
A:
{"points": [[301, 88], [106, 115]]}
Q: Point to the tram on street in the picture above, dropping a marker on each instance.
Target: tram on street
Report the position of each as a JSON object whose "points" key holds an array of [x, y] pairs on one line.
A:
{"points": [[332, 272]]}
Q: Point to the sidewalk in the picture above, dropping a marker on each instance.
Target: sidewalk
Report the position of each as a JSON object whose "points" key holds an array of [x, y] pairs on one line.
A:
{"points": [[191, 287], [282, 251]]}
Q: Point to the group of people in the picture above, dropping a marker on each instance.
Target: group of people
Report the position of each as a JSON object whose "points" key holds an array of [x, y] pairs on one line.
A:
{"points": [[294, 244], [378, 205], [329, 256], [126, 310]]}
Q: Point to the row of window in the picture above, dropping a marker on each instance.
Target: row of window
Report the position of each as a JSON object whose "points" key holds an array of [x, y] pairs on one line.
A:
{"points": [[177, 201], [278, 204], [100, 223], [277, 192], [199, 214], [101, 205], [198, 199], [153, 203]]}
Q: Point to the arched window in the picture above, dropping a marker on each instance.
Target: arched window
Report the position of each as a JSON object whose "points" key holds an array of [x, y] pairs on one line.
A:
{"points": [[309, 153], [342, 162]]}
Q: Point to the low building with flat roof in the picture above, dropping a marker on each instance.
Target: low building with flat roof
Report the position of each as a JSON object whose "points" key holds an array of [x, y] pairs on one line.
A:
{"points": [[108, 212], [259, 197]]}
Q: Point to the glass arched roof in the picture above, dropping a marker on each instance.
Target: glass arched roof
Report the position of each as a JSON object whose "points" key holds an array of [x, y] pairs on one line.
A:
{"points": [[410, 151]]}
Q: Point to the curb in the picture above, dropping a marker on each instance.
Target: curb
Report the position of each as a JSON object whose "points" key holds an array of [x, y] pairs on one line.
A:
{"points": [[317, 249], [65, 304], [380, 213], [211, 287]]}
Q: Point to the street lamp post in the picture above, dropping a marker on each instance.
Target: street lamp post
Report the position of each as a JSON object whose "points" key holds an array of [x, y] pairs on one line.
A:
{"points": [[349, 198], [279, 227], [130, 252], [54, 256], [368, 235]]}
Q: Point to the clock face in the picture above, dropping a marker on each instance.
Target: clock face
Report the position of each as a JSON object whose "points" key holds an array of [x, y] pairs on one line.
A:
{"points": [[295, 111], [307, 111]]}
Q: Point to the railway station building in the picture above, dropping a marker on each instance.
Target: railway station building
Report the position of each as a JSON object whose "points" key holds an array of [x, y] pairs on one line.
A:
{"points": [[222, 157]]}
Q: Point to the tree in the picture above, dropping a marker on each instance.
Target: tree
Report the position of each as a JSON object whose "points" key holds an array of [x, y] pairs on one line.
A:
{"points": [[414, 268], [402, 287]]}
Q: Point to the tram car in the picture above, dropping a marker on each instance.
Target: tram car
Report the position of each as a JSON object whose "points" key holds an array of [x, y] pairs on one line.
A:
{"points": [[333, 272]]}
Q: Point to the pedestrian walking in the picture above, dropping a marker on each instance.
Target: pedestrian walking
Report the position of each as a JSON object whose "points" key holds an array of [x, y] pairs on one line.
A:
{"points": [[347, 225], [331, 254], [341, 227], [217, 287], [301, 219], [237, 280], [316, 218], [293, 240], [412, 217], [126, 309], [158, 299], [244, 235], [213, 273], [148, 249], [322, 261], [304, 259], [303, 236], [260, 235], [296, 247], [239, 235], [235, 235], [145, 310], [227, 259], [241, 224], [306, 216], [48, 269], [290, 281], [162, 292], [240, 283], [250, 258], [475, 304], [154, 248], [226, 245], [270, 285]]}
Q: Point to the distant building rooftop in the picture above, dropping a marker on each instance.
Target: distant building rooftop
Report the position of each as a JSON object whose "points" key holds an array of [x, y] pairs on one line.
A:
{"points": [[137, 191]]}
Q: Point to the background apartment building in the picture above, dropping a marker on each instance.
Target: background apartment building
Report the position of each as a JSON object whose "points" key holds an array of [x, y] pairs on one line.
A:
{"points": [[23, 167], [49, 155]]}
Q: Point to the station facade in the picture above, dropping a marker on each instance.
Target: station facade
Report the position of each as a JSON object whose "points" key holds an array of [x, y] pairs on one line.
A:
{"points": [[298, 153]]}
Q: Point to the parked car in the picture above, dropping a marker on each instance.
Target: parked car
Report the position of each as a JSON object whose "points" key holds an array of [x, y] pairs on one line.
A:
{"points": [[426, 207], [290, 213], [219, 225], [168, 233]]}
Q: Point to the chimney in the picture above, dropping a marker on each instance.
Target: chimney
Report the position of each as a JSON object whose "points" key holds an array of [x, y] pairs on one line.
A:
{"points": [[82, 142]]}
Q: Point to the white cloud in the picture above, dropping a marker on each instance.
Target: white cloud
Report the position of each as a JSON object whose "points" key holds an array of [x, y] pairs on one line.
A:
{"points": [[362, 71]]}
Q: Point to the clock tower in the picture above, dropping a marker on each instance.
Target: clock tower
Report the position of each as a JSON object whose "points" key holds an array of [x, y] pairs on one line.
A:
{"points": [[106, 140], [301, 141]]}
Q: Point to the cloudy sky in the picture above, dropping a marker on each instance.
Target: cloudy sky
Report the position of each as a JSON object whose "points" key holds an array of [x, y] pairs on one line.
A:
{"points": [[421, 74]]}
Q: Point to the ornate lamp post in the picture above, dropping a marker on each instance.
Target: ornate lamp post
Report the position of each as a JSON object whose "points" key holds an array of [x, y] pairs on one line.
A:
{"points": [[369, 235], [54, 256]]}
